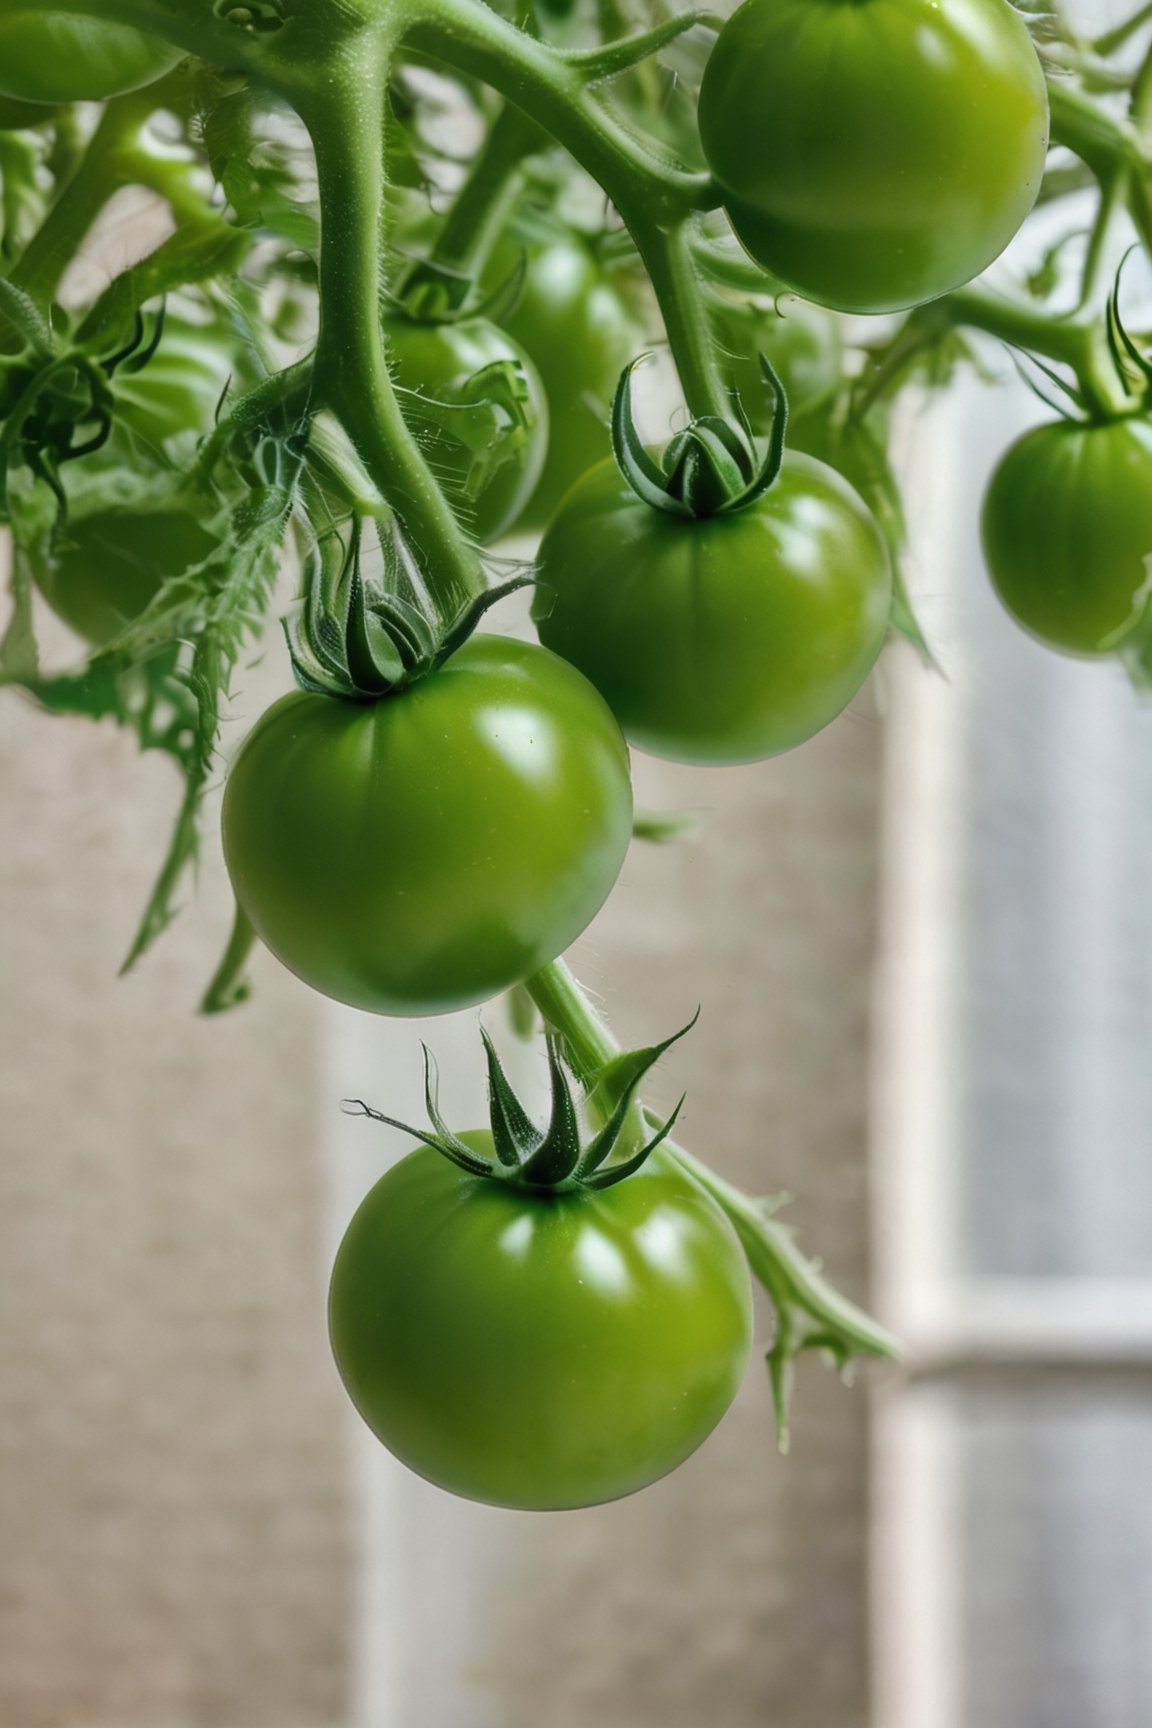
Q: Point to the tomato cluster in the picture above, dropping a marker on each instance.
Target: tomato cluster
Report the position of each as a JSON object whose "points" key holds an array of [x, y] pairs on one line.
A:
{"points": [[438, 811]]}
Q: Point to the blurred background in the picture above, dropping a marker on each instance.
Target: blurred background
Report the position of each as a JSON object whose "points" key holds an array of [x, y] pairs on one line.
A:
{"points": [[922, 947]]}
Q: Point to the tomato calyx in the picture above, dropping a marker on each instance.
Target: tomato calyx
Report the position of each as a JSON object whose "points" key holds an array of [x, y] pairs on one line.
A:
{"points": [[364, 636], [712, 467], [550, 1159]]}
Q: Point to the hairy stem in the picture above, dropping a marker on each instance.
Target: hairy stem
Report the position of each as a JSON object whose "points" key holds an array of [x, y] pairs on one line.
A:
{"points": [[351, 372]]}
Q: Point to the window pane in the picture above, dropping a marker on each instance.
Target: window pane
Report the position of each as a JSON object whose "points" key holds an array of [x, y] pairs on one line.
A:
{"points": [[1053, 835], [1056, 1527]]}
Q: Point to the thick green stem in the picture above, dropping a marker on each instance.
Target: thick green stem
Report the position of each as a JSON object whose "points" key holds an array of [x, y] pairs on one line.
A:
{"points": [[810, 1312], [672, 269], [1074, 341], [351, 370], [654, 196], [98, 176], [489, 195]]}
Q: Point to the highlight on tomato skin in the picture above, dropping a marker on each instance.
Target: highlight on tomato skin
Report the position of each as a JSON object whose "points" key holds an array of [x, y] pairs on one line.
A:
{"points": [[1067, 533], [539, 1351], [874, 154], [424, 852]]}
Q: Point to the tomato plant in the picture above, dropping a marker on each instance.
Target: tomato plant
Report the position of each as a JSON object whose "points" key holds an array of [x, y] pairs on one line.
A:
{"points": [[425, 851], [1067, 530], [875, 155], [307, 373], [58, 57], [479, 408], [725, 638]]}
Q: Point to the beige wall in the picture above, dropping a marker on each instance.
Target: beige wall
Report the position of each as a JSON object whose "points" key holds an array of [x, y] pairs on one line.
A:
{"points": [[176, 1502], [174, 1510]]}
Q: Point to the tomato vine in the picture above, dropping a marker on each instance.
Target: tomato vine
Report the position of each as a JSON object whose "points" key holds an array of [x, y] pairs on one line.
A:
{"points": [[320, 356]]}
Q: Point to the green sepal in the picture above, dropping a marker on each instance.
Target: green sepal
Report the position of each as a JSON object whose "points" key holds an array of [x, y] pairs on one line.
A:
{"points": [[455, 1151], [514, 1134], [608, 1177], [625, 1071], [615, 1090], [1072, 408], [552, 1158], [363, 637], [712, 467], [1125, 354], [434, 293], [633, 458], [558, 1154]]}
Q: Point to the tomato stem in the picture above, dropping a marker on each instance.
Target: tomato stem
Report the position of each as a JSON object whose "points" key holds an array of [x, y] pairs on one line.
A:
{"points": [[810, 1312], [488, 197], [351, 369]]}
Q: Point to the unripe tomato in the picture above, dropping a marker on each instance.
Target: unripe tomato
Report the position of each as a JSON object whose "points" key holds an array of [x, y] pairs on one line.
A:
{"points": [[425, 851], [105, 567], [440, 361], [56, 57], [581, 333], [875, 153], [539, 1349], [1067, 530], [724, 639], [181, 387]]}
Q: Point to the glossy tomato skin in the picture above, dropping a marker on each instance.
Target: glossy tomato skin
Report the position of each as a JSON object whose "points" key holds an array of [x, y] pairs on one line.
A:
{"points": [[533, 1349], [107, 566], [1067, 530], [725, 639], [875, 153], [581, 332], [423, 852], [439, 361], [51, 57]]}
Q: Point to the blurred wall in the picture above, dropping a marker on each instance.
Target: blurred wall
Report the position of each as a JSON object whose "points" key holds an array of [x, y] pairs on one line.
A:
{"points": [[174, 1507], [189, 1538]]}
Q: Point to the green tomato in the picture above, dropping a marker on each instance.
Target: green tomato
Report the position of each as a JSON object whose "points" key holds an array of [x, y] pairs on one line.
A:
{"points": [[802, 342], [723, 639], [1067, 529], [106, 566], [426, 851], [180, 388], [581, 333], [55, 57], [539, 1349], [874, 154], [445, 363]]}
